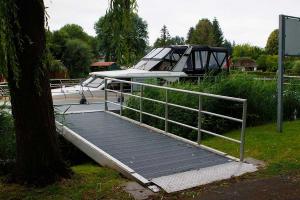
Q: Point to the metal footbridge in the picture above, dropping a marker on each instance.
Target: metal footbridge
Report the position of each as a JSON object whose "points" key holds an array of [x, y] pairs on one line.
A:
{"points": [[153, 157]]}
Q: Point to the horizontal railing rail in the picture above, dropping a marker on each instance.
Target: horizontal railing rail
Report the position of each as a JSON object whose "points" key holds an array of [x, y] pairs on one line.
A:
{"points": [[59, 83], [167, 104], [54, 83]]}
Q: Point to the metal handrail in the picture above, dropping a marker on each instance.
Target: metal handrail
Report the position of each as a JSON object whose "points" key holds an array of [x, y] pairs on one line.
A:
{"points": [[59, 83], [180, 90], [167, 104]]}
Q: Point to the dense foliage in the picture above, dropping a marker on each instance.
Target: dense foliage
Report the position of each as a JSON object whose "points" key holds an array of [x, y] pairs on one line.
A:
{"points": [[206, 33], [267, 58], [77, 58], [73, 48], [122, 35], [261, 96], [203, 33], [165, 39], [8, 57], [124, 47], [218, 33], [268, 63], [7, 135], [272, 43], [247, 50]]}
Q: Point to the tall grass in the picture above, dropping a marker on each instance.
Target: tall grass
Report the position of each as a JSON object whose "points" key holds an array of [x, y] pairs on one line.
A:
{"points": [[261, 98]]}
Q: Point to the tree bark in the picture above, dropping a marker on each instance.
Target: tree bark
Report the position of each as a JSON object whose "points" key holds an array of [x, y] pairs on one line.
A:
{"points": [[38, 159]]}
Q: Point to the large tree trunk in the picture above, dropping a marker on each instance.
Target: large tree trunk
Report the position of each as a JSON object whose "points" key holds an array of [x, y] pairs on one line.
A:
{"points": [[38, 157]]}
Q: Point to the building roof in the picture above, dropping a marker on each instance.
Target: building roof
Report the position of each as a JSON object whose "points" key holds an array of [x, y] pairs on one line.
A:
{"points": [[102, 64], [245, 62]]}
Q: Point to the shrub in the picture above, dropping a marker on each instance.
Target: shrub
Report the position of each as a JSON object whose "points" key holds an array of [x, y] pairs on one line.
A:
{"points": [[246, 50], [296, 67], [268, 63], [261, 96], [7, 135]]}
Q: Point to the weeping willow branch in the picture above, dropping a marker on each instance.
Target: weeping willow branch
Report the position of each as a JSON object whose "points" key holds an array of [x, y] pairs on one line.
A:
{"points": [[10, 38], [121, 15]]}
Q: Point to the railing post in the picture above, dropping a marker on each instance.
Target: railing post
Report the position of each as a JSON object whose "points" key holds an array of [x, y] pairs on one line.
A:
{"points": [[166, 112], [141, 104], [242, 145], [121, 99], [105, 94], [131, 86], [199, 138]]}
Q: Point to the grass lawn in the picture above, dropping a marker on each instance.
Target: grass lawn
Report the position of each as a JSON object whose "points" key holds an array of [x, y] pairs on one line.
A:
{"points": [[280, 151], [89, 182]]}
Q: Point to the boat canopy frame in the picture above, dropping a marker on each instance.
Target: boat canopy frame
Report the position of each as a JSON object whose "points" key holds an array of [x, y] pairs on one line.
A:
{"points": [[209, 58]]}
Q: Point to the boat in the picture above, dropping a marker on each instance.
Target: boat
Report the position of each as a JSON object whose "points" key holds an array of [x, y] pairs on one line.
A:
{"points": [[168, 64]]}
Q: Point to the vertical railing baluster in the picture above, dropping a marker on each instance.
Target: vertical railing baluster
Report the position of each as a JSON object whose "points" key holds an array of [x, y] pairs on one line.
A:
{"points": [[199, 137], [242, 145], [166, 112], [105, 95], [121, 98], [131, 86], [141, 104]]}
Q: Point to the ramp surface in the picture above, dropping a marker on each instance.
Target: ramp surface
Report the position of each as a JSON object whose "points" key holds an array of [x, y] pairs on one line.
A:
{"points": [[152, 155]]}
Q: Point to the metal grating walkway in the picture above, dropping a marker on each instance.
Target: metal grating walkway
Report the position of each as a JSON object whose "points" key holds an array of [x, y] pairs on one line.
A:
{"points": [[148, 153]]}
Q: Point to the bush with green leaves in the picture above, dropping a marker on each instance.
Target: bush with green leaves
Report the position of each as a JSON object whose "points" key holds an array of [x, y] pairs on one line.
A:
{"points": [[261, 99], [268, 63], [296, 67], [77, 58], [7, 135], [247, 50]]}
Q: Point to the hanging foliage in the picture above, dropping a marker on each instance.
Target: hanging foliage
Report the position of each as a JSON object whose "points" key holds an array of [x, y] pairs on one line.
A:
{"points": [[9, 38], [121, 15]]}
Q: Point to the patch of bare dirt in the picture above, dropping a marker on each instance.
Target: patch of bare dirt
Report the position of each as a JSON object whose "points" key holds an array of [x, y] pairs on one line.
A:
{"points": [[285, 187]]}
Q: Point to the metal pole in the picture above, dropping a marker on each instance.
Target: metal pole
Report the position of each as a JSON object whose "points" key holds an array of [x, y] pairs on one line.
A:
{"points": [[242, 145], [281, 53], [121, 98], [141, 104], [166, 112], [105, 94], [199, 138], [131, 86]]}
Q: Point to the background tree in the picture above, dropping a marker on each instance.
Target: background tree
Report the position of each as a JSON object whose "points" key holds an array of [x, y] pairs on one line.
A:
{"points": [[267, 63], [203, 33], [247, 50], [136, 40], [177, 40], [59, 42], [227, 44], [272, 43], [22, 57], [122, 19], [189, 35], [74, 31], [165, 39], [77, 58], [218, 34]]}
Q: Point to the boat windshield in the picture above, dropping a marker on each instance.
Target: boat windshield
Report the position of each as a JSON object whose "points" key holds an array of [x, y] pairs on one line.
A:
{"points": [[93, 82], [153, 58]]}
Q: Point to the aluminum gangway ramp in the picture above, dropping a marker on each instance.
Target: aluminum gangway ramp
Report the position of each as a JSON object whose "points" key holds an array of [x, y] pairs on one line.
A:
{"points": [[147, 155]]}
